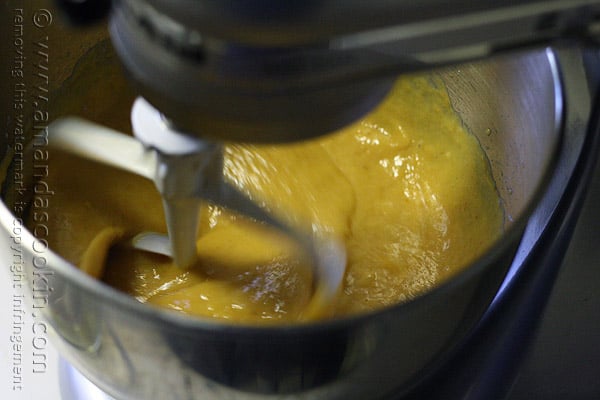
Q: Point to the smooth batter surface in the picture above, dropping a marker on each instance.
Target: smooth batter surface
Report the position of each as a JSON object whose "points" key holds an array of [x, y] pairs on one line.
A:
{"points": [[407, 188]]}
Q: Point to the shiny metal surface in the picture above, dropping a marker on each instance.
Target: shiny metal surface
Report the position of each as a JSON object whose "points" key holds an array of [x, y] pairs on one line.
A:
{"points": [[74, 386], [488, 364], [134, 351]]}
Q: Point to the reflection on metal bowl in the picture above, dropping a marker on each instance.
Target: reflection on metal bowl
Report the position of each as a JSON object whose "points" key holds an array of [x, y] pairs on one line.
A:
{"points": [[135, 351]]}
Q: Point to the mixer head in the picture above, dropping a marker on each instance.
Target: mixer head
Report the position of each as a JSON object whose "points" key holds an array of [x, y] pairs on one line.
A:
{"points": [[239, 91]]}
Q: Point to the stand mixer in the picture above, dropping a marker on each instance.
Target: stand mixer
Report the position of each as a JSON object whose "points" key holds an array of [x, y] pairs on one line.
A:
{"points": [[260, 52]]}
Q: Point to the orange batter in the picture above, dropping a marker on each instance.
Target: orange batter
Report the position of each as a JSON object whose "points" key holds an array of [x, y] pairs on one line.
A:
{"points": [[406, 188]]}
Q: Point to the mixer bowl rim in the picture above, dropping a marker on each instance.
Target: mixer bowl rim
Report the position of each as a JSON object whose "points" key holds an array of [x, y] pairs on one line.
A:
{"points": [[114, 297]]}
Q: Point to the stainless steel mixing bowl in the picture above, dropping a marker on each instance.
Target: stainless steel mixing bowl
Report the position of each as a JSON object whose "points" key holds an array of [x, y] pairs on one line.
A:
{"points": [[512, 105]]}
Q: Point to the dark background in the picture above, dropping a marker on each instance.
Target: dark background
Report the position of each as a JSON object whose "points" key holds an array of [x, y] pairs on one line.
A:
{"points": [[564, 362]]}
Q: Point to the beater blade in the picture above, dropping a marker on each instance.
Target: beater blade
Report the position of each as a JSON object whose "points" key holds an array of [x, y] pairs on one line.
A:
{"points": [[187, 171]]}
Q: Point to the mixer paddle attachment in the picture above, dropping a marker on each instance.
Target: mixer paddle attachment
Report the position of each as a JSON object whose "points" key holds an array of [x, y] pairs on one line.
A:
{"points": [[188, 171]]}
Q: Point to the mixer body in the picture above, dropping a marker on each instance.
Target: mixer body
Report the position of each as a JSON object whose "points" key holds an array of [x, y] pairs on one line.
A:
{"points": [[268, 71], [138, 352]]}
